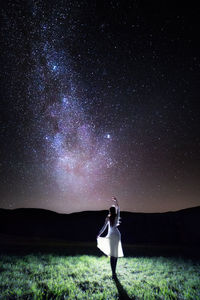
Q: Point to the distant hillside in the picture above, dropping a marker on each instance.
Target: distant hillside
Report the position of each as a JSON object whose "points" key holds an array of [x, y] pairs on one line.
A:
{"points": [[171, 227]]}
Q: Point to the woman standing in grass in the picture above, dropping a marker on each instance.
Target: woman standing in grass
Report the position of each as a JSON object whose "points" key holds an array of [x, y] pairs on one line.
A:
{"points": [[111, 244]]}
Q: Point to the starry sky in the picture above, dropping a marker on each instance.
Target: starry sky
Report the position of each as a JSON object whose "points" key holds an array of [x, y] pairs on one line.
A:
{"points": [[99, 98]]}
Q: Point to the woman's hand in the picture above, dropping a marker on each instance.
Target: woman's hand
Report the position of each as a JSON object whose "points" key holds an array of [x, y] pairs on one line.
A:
{"points": [[115, 200]]}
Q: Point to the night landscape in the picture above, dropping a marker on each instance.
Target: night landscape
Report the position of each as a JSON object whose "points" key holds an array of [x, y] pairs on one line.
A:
{"points": [[99, 99]]}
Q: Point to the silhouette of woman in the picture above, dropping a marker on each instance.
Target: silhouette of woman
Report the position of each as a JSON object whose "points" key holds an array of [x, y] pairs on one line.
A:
{"points": [[111, 244]]}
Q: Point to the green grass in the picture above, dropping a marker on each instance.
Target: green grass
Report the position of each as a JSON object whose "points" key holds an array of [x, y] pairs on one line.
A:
{"points": [[51, 276]]}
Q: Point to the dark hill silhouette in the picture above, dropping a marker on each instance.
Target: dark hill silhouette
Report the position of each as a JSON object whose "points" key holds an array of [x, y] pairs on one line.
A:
{"points": [[180, 227]]}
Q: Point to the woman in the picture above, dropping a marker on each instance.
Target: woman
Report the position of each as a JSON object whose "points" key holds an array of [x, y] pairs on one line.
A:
{"points": [[111, 244]]}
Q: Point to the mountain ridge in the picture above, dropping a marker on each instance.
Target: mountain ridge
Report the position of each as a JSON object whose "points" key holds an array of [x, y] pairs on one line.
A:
{"points": [[89, 211]]}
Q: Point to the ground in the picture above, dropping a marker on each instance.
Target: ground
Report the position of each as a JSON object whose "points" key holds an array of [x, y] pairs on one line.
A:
{"points": [[60, 276]]}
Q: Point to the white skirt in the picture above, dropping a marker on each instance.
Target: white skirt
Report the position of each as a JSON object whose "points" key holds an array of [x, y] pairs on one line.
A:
{"points": [[111, 244]]}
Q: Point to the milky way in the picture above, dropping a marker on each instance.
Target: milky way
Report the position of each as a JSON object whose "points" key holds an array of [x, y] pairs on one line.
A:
{"points": [[99, 100], [81, 155], [78, 155]]}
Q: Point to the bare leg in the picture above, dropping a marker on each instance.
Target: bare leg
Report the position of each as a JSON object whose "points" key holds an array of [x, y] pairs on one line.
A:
{"points": [[113, 263]]}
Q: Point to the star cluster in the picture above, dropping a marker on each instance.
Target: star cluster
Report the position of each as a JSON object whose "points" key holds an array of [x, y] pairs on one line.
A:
{"points": [[99, 99]]}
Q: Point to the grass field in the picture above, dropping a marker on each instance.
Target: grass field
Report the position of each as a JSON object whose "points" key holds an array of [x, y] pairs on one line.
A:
{"points": [[53, 276]]}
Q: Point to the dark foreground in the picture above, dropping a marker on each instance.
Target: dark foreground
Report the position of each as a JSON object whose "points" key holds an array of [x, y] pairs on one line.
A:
{"points": [[24, 245]]}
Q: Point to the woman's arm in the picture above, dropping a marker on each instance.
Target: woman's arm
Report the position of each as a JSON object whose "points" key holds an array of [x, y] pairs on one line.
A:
{"points": [[117, 209], [116, 203], [103, 228]]}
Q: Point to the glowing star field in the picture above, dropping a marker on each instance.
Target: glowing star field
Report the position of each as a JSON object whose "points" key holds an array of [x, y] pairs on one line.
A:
{"points": [[99, 100]]}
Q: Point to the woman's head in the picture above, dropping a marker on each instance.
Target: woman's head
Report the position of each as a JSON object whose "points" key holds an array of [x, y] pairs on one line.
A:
{"points": [[112, 211], [112, 215]]}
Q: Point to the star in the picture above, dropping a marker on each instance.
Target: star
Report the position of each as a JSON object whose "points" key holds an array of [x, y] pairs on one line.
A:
{"points": [[108, 136]]}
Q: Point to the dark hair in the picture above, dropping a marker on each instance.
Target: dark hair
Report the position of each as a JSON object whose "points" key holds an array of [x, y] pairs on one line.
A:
{"points": [[112, 215]]}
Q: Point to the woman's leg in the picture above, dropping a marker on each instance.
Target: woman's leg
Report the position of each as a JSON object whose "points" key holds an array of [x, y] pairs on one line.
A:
{"points": [[113, 263]]}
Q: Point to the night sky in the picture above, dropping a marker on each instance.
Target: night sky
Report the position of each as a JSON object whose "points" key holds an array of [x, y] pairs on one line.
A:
{"points": [[99, 98]]}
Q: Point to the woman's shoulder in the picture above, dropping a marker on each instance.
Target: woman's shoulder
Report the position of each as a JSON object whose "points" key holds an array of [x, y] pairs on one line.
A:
{"points": [[107, 219]]}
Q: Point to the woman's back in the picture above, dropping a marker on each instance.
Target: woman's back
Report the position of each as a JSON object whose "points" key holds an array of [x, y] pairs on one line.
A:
{"points": [[113, 222]]}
